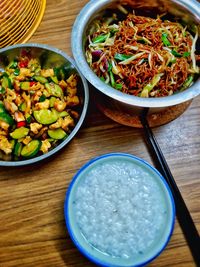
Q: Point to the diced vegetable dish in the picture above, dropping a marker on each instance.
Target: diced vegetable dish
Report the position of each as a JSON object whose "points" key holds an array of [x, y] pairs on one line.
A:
{"points": [[38, 108]]}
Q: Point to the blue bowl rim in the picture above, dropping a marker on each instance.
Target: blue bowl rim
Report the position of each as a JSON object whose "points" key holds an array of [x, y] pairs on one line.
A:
{"points": [[83, 113], [66, 213]]}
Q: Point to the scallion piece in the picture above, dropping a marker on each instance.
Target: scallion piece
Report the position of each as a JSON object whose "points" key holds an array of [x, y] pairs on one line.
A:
{"points": [[175, 53], [118, 86], [100, 38], [187, 83], [17, 72], [112, 79], [130, 59], [165, 40], [109, 66], [121, 57], [186, 54]]}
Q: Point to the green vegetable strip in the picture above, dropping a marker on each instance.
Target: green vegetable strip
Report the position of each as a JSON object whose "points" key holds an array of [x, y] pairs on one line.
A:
{"points": [[121, 57], [112, 79], [175, 53], [129, 60], [118, 86], [165, 41], [109, 66], [186, 54], [151, 85], [187, 83], [17, 72], [100, 39]]}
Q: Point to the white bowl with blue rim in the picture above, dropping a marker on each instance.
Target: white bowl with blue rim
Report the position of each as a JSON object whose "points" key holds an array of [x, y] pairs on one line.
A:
{"points": [[119, 211]]}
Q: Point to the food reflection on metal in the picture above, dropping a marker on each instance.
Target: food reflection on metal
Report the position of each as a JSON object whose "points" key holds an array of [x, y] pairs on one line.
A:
{"points": [[19, 19]]}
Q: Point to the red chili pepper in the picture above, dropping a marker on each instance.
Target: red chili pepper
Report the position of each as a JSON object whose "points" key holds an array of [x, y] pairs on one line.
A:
{"points": [[32, 83], [21, 124], [23, 64]]}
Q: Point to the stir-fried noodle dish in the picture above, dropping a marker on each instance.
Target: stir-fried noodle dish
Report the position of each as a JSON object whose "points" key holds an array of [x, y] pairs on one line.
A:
{"points": [[143, 56]]}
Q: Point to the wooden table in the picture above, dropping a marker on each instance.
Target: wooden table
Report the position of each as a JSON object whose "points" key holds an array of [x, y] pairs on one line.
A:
{"points": [[32, 226]]}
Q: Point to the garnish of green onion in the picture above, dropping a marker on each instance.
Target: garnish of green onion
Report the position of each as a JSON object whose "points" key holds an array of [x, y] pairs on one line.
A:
{"points": [[102, 79], [112, 79], [187, 83], [175, 53], [129, 60], [121, 57], [118, 86], [16, 72], [100, 38], [109, 66], [186, 54], [165, 40]]}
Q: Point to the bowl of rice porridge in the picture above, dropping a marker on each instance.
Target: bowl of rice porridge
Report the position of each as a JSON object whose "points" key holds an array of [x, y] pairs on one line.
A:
{"points": [[119, 211]]}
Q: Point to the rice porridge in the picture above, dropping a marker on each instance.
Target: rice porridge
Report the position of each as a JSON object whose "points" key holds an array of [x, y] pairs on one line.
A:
{"points": [[120, 208]]}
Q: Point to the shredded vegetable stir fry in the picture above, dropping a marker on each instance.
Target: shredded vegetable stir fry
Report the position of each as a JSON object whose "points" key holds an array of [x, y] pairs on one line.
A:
{"points": [[38, 108], [143, 56]]}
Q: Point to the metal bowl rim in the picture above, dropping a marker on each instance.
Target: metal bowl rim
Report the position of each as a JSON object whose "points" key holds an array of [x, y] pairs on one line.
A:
{"points": [[76, 43]]}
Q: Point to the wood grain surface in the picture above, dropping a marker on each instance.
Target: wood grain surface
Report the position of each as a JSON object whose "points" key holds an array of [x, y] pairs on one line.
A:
{"points": [[32, 226]]}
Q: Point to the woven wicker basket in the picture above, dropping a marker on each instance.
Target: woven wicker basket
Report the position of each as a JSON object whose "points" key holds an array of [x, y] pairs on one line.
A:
{"points": [[19, 19]]}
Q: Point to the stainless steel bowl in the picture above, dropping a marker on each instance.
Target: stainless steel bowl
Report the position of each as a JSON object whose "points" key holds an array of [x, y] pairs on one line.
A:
{"points": [[49, 57], [188, 10]]}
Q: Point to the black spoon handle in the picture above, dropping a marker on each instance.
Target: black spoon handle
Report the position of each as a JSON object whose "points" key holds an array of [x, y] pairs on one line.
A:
{"points": [[183, 215]]}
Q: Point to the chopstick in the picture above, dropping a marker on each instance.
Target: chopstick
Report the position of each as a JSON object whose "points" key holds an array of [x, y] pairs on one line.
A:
{"points": [[183, 215]]}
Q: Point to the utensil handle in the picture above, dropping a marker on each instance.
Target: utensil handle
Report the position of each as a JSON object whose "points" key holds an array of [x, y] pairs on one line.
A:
{"points": [[183, 215]]}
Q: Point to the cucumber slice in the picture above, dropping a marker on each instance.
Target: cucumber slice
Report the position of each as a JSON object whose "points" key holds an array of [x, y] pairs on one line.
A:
{"points": [[52, 101], [19, 133], [31, 149], [63, 114], [46, 116], [57, 134], [6, 118], [2, 90], [2, 107], [25, 85], [22, 106], [54, 89], [6, 82], [40, 79], [18, 149], [54, 79], [28, 118]]}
